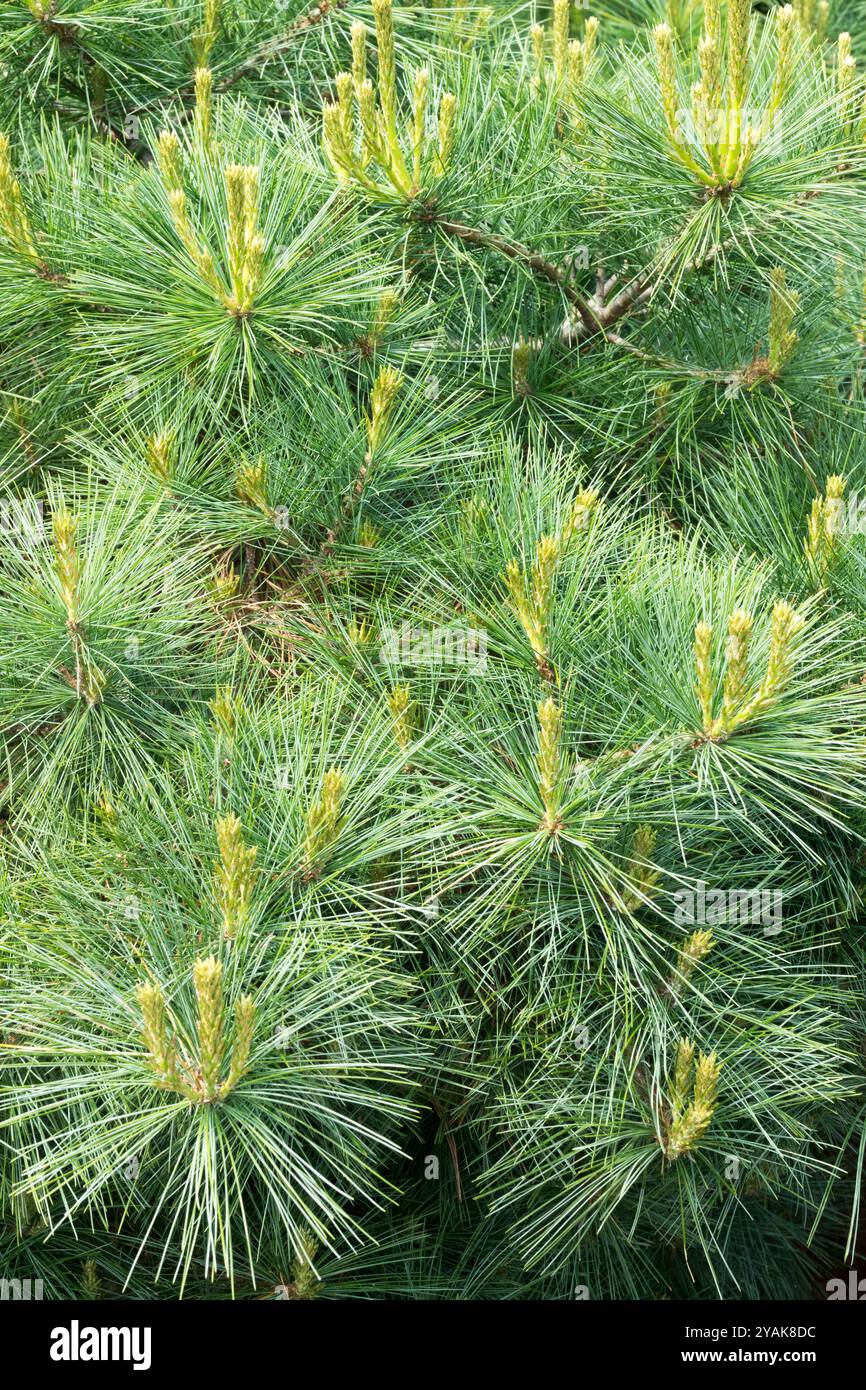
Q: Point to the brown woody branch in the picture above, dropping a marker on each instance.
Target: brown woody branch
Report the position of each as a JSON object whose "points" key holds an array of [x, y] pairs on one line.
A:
{"points": [[268, 51], [515, 251], [261, 56], [600, 313]]}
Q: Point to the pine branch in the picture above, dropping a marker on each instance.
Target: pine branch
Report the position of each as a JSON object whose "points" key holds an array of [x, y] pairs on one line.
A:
{"points": [[276, 47]]}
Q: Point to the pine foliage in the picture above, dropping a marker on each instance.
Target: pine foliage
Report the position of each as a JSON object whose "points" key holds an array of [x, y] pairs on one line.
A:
{"points": [[433, 780]]}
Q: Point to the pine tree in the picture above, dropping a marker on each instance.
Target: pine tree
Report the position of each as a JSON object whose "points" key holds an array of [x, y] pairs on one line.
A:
{"points": [[431, 683]]}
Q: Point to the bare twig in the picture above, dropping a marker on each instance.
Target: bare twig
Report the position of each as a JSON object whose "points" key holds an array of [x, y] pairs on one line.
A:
{"points": [[258, 59], [538, 264], [268, 51]]}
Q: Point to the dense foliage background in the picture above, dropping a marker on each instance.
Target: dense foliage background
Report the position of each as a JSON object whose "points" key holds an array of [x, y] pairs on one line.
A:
{"points": [[431, 648]]}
